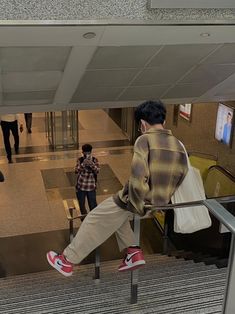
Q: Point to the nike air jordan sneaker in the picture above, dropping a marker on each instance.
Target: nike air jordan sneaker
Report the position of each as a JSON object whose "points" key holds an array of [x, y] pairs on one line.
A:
{"points": [[133, 259], [59, 262]]}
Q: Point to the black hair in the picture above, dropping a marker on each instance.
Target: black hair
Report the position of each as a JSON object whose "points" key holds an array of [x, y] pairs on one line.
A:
{"points": [[153, 112], [86, 148]]}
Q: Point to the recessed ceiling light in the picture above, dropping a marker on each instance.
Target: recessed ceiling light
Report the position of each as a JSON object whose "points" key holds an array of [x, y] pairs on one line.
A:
{"points": [[89, 35], [205, 34]]}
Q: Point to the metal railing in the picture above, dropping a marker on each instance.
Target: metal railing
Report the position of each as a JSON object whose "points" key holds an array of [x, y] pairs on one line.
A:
{"points": [[215, 208], [71, 218]]}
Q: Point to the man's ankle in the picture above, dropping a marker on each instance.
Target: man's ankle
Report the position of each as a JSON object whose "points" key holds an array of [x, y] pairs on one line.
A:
{"points": [[66, 259]]}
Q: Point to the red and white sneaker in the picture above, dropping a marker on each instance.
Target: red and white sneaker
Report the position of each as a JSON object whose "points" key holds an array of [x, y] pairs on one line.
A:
{"points": [[59, 262], [133, 259]]}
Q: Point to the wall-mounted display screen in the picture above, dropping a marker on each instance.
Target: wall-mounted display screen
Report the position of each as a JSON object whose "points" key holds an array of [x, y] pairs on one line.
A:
{"points": [[186, 111], [224, 124]]}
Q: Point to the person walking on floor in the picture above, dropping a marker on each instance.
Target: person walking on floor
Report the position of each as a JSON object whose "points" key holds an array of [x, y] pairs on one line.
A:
{"points": [[87, 168], [158, 166], [28, 121], [1, 176], [9, 122]]}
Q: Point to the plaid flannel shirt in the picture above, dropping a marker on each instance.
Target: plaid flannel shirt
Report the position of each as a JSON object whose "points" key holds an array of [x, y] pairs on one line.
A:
{"points": [[158, 166], [86, 180]]}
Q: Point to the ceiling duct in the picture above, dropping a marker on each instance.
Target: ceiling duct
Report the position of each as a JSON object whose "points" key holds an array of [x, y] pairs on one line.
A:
{"points": [[191, 4]]}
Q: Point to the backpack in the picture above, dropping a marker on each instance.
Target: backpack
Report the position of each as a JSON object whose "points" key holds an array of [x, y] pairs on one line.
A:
{"points": [[81, 159]]}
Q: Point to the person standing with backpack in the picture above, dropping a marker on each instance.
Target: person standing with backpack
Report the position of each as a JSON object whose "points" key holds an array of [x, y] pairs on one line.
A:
{"points": [[87, 168]]}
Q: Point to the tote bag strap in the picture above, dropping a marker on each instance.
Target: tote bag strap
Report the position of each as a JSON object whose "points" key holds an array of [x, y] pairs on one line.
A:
{"points": [[188, 161]]}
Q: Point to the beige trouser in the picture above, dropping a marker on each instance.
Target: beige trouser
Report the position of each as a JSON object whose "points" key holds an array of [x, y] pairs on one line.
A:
{"points": [[97, 227]]}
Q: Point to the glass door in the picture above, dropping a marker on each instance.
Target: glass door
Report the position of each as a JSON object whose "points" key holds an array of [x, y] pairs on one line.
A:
{"points": [[62, 129]]}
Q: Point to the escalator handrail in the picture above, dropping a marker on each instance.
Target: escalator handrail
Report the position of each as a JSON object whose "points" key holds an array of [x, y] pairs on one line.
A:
{"points": [[224, 171], [220, 199], [203, 155], [222, 215], [223, 199]]}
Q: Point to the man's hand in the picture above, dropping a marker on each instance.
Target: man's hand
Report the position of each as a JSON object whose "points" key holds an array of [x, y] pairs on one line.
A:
{"points": [[21, 128]]}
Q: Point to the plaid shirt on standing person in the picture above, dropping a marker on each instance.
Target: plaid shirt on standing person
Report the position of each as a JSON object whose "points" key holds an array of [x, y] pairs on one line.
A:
{"points": [[86, 179]]}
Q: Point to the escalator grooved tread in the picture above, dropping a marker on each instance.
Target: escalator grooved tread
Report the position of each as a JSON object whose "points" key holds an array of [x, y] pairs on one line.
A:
{"points": [[178, 284]]}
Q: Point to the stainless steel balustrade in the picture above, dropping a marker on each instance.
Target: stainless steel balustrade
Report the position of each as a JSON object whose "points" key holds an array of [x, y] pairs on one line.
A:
{"points": [[71, 218], [216, 209]]}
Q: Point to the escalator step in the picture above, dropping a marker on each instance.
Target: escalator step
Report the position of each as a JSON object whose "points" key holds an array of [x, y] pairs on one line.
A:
{"points": [[221, 263], [200, 257]]}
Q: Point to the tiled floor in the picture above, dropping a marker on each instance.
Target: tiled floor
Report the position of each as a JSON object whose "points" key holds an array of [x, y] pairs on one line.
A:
{"points": [[33, 217], [39, 179]]}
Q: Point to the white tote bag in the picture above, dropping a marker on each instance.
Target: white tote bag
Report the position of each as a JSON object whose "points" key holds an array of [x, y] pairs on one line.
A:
{"points": [[190, 219]]}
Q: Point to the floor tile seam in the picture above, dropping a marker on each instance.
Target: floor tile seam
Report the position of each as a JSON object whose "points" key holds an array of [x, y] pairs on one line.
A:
{"points": [[48, 157], [76, 151]]}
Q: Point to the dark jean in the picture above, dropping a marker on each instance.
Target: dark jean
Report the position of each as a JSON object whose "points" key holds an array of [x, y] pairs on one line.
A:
{"points": [[28, 120], [1, 177], [91, 198], [6, 128]]}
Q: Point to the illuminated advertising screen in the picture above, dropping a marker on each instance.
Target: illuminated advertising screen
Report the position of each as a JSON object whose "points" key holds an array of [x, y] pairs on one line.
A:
{"points": [[224, 124]]}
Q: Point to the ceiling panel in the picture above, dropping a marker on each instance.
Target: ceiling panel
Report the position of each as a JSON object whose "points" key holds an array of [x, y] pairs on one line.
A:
{"points": [[181, 54], [25, 105], [161, 75], [48, 94], [226, 89], [31, 81], [187, 90], [122, 57], [143, 92], [108, 77], [224, 55], [228, 93], [96, 94], [36, 68], [209, 72], [22, 59]]}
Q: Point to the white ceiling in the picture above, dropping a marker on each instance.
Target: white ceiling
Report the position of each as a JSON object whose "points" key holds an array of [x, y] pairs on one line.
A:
{"points": [[49, 68]]}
